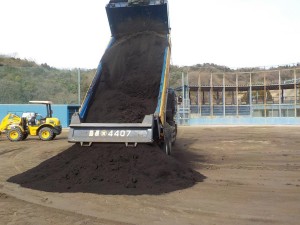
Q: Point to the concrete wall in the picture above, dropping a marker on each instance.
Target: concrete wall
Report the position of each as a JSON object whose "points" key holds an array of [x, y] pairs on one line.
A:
{"points": [[245, 121]]}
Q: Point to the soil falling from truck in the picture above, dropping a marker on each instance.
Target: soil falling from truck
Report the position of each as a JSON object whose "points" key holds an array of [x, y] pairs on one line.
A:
{"points": [[129, 85]]}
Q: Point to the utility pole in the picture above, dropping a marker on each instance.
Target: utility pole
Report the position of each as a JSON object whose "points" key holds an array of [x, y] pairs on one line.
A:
{"points": [[79, 97]]}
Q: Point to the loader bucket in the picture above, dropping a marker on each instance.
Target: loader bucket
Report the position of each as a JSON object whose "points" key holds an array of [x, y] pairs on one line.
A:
{"points": [[151, 15]]}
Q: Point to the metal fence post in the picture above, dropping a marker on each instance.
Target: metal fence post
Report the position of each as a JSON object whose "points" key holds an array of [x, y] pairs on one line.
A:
{"points": [[211, 96], [224, 96], [295, 92], [280, 94], [79, 94], [250, 97], [237, 94]]}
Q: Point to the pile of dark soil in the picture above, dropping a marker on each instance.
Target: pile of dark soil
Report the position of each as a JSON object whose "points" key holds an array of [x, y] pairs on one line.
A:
{"points": [[129, 85], [110, 169], [127, 91]]}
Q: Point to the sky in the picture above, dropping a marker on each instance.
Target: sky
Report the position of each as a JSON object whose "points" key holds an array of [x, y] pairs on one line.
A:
{"points": [[233, 33]]}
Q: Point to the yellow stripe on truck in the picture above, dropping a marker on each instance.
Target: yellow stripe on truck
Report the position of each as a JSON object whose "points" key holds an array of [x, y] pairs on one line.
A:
{"points": [[163, 105]]}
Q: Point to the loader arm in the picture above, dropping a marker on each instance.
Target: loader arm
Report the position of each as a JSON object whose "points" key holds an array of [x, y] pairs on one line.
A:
{"points": [[8, 120]]}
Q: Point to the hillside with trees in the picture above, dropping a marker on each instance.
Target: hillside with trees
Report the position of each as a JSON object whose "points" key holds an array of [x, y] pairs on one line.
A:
{"points": [[24, 80]]}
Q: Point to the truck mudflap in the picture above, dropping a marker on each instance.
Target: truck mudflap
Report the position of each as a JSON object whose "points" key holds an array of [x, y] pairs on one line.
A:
{"points": [[130, 134]]}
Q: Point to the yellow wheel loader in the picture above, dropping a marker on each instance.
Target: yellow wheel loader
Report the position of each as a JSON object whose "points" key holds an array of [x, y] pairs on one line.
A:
{"points": [[30, 123]]}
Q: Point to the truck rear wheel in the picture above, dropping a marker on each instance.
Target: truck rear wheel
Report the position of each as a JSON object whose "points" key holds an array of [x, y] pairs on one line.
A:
{"points": [[167, 147], [15, 134], [46, 134], [174, 131]]}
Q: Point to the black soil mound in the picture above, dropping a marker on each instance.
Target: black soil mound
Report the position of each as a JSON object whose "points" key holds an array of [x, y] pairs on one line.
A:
{"points": [[110, 169], [127, 91], [129, 85]]}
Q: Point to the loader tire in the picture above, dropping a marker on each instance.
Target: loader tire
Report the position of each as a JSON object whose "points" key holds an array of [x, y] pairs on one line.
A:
{"points": [[15, 134], [25, 136], [46, 134]]}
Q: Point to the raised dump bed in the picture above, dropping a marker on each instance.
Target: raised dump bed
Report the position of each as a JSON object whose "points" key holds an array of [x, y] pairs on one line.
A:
{"points": [[127, 100]]}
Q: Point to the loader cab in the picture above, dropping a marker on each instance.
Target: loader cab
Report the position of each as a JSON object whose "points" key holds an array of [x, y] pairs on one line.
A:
{"points": [[49, 111], [46, 127], [33, 119], [29, 117], [48, 107]]}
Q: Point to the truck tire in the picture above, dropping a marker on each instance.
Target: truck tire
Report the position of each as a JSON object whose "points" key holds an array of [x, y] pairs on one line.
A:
{"points": [[46, 134], [174, 131], [14, 134], [167, 142], [167, 147]]}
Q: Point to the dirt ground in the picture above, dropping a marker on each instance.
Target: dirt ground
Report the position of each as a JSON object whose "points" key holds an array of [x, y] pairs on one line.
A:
{"points": [[250, 176]]}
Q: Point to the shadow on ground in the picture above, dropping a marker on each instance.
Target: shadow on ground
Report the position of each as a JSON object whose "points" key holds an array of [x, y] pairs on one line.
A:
{"points": [[114, 170]]}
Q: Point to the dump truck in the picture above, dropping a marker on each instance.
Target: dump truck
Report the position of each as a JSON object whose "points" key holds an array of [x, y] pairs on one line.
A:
{"points": [[17, 128], [132, 23]]}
